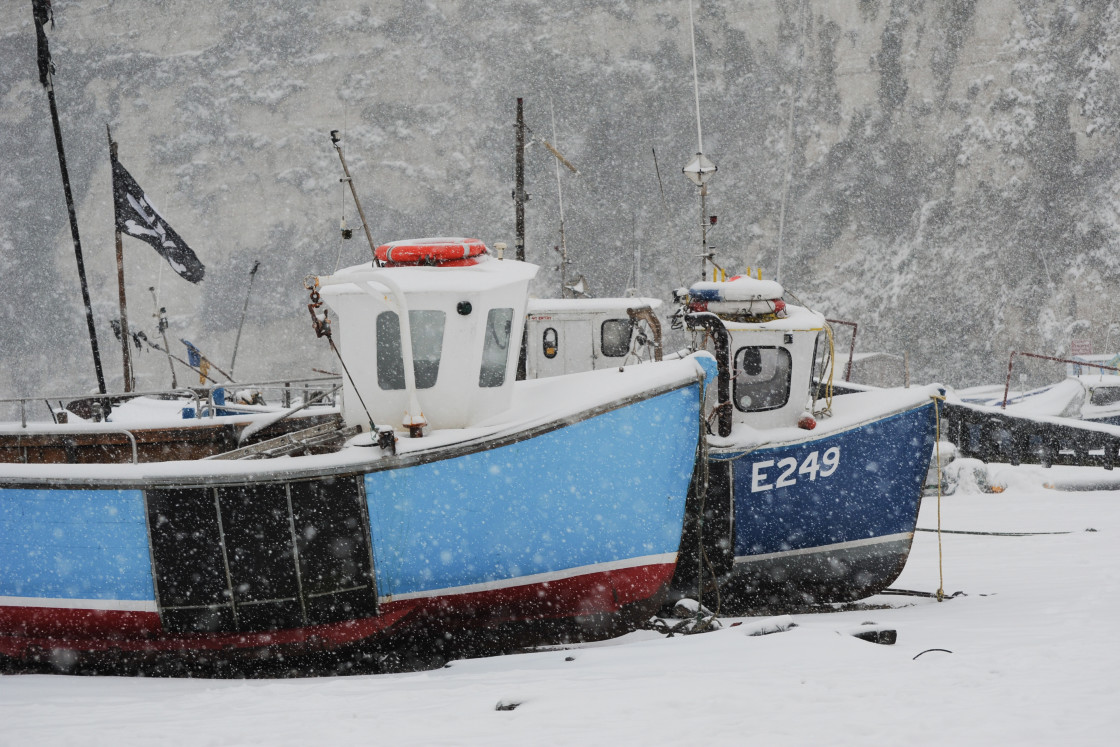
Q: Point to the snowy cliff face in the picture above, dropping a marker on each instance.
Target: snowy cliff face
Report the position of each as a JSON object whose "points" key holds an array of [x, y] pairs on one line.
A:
{"points": [[950, 168]]}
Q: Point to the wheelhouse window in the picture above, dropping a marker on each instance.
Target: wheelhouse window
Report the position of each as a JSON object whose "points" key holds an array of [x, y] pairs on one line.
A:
{"points": [[549, 343], [615, 336], [495, 349], [761, 378], [427, 347], [1105, 395]]}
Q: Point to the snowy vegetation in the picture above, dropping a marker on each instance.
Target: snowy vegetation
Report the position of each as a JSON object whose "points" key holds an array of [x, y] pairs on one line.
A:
{"points": [[952, 166]]}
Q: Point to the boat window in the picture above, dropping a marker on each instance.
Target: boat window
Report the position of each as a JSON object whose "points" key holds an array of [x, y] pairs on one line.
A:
{"points": [[1105, 395], [495, 349], [427, 346], [549, 343], [761, 378], [616, 337]]}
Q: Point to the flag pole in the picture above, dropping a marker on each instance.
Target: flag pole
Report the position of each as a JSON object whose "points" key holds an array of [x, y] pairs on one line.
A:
{"points": [[244, 310], [162, 324], [42, 12], [126, 353], [335, 140], [519, 196]]}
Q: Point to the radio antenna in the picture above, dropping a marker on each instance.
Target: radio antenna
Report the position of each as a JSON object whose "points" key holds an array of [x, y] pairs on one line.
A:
{"points": [[699, 169]]}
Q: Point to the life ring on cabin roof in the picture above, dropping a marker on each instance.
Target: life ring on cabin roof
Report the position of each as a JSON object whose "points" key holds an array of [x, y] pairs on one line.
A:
{"points": [[434, 252]]}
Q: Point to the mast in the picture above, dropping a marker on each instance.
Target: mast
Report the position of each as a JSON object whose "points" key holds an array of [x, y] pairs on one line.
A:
{"points": [[162, 324], [126, 352], [42, 12], [560, 197], [519, 196], [699, 169], [335, 139], [244, 310]]}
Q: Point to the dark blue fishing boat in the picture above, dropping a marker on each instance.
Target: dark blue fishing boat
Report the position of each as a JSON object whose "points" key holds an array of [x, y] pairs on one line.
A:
{"points": [[811, 497]]}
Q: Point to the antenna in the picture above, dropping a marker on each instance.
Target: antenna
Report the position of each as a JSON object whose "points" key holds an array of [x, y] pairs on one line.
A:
{"points": [[560, 195], [335, 140], [699, 169], [695, 80]]}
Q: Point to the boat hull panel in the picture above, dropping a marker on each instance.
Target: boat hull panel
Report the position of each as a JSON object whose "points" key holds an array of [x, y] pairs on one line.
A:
{"points": [[829, 518], [575, 521]]}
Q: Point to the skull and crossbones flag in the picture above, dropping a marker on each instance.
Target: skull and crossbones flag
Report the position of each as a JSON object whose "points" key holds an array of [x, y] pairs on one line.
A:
{"points": [[137, 216]]}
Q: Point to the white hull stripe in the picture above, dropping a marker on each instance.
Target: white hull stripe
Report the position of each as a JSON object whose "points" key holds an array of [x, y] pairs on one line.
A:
{"points": [[745, 559], [538, 578], [115, 605], [124, 605]]}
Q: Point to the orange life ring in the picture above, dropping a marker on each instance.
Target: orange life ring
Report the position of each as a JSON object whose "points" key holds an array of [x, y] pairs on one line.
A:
{"points": [[442, 252]]}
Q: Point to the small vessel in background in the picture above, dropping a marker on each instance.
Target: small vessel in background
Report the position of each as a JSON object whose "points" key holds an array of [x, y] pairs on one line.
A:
{"points": [[570, 335], [184, 423], [452, 497]]}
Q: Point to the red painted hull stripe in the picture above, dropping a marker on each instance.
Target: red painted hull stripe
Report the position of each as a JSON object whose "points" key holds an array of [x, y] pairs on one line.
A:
{"points": [[25, 630]]}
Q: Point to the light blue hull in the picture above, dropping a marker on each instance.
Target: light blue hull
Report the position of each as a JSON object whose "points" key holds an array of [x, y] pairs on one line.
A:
{"points": [[577, 517]]}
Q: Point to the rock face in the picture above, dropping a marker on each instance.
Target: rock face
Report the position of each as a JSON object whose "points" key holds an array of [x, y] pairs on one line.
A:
{"points": [[943, 173]]}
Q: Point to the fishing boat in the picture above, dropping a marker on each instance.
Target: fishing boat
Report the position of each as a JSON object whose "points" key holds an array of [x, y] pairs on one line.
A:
{"points": [[812, 496], [451, 495], [568, 335], [157, 426]]}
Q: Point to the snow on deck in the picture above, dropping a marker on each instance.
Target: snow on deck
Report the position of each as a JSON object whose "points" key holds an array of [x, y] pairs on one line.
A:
{"points": [[535, 403], [848, 411]]}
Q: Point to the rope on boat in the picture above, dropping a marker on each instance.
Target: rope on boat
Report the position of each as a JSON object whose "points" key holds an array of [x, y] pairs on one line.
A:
{"points": [[322, 326], [826, 385], [937, 400], [989, 534], [703, 624]]}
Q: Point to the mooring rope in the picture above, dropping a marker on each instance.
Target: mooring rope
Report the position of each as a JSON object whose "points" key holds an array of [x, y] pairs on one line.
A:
{"points": [[989, 534], [937, 400]]}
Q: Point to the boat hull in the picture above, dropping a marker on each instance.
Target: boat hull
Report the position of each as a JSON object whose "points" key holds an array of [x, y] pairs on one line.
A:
{"points": [[828, 518], [571, 520]]}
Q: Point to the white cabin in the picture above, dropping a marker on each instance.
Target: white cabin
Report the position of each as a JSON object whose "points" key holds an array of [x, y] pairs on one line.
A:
{"points": [[457, 322], [764, 347], [571, 335]]}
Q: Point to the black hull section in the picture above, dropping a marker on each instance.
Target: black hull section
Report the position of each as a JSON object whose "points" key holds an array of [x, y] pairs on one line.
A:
{"points": [[821, 577]]}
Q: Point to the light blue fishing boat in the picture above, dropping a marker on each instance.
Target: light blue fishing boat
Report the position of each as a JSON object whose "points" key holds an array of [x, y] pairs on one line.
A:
{"points": [[452, 496]]}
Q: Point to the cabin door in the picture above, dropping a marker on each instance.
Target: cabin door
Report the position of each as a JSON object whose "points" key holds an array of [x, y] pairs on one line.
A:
{"points": [[568, 347]]}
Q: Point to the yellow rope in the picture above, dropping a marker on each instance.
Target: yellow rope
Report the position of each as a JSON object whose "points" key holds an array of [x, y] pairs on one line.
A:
{"points": [[937, 450], [831, 371]]}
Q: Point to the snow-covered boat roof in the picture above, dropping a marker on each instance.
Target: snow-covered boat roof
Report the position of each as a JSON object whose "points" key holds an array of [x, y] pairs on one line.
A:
{"points": [[796, 319], [591, 305], [485, 276]]}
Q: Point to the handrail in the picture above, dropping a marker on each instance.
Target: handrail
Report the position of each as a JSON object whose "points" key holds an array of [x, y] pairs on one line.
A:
{"points": [[193, 392], [125, 431], [1011, 362], [852, 349]]}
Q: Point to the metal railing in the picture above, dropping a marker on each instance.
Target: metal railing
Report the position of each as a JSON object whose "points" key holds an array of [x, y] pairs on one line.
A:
{"points": [[198, 394]]}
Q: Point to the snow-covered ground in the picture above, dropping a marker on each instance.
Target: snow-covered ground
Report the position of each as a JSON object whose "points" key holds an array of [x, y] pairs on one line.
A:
{"points": [[1028, 654]]}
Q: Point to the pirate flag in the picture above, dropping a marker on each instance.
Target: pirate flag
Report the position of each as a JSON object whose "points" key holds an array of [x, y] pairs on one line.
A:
{"points": [[41, 9], [138, 217]]}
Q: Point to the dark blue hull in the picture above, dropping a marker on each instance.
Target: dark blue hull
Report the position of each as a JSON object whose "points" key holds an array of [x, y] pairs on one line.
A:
{"points": [[827, 519]]}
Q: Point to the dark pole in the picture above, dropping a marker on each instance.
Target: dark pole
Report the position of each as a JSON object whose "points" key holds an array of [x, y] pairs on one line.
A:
{"points": [[335, 139], [41, 10], [162, 323], [519, 196], [237, 340], [126, 353]]}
